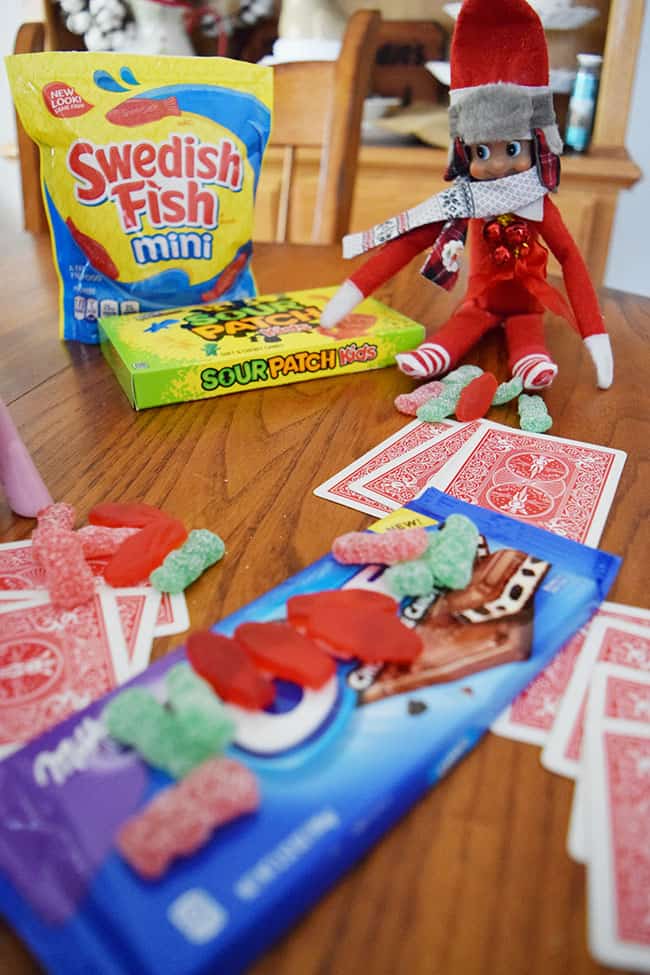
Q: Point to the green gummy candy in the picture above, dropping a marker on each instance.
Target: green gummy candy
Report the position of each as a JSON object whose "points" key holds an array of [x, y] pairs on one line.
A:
{"points": [[184, 565], [412, 578], [507, 391], [463, 375], [441, 406], [533, 415], [454, 554], [200, 715], [129, 712]]}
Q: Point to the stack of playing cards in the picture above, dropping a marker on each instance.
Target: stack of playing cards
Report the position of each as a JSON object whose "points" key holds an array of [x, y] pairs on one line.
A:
{"points": [[590, 708], [562, 485], [54, 662]]}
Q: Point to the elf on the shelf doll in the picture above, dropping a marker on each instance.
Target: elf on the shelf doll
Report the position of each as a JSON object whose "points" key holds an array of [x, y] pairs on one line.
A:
{"points": [[504, 160]]}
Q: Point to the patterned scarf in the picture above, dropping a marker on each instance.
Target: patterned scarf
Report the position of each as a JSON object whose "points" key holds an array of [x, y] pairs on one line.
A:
{"points": [[466, 198]]}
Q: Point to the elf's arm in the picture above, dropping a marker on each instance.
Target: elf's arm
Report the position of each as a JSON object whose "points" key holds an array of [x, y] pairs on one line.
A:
{"points": [[580, 292], [386, 262]]}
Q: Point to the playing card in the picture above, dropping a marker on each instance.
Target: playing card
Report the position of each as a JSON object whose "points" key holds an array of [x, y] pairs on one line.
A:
{"points": [[138, 608], [20, 577], [610, 641], [531, 715], [340, 488], [173, 616], [398, 481], [614, 692], [54, 662], [617, 787], [564, 486]]}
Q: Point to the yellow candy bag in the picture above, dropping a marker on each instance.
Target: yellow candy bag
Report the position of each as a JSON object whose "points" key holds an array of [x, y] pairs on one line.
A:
{"points": [[149, 167]]}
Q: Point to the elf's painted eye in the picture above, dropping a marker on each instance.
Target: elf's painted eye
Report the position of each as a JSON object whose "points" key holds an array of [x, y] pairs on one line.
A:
{"points": [[482, 151], [513, 149]]}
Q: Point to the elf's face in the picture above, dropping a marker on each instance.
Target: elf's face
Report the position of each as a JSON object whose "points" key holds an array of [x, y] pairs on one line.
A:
{"points": [[492, 160]]}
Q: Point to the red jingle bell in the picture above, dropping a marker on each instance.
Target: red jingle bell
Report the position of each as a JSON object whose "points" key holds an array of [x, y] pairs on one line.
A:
{"points": [[493, 232], [501, 255], [517, 234]]}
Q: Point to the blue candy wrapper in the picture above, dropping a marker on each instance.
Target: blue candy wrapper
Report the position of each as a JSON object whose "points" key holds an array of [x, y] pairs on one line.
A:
{"points": [[337, 767]]}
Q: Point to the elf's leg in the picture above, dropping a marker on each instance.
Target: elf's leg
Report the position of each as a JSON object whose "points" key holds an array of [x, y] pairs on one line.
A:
{"points": [[528, 356], [452, 340]]}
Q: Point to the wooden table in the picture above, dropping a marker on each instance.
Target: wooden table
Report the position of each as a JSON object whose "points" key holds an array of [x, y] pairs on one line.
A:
{"points": [[475, 879]]}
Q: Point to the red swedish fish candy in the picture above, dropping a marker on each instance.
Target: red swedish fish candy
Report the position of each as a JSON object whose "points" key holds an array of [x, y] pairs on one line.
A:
{"points": [[476, 399], [143, 552], [279, 649], [371, 636], [137, 111], [226, 666], [333, 600], [96, 253], [226, 279], [114, 514]]}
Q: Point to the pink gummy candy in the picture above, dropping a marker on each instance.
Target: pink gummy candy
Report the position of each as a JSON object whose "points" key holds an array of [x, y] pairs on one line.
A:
{"points": [[181, 819], [409, 402], [59, 516], [99, 542], [68, 576], [23, 485], [387, 548]]}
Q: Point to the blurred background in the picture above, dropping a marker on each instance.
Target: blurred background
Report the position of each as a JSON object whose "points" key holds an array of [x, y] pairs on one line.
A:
{"points": [[404, 128]]}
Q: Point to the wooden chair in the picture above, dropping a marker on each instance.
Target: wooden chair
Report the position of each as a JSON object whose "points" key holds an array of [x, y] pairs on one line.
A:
{"points": [[29, 40], [319, 105]]}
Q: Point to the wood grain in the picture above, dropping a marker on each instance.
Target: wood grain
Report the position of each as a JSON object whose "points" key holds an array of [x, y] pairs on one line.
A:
{"points": [[475, 879]]}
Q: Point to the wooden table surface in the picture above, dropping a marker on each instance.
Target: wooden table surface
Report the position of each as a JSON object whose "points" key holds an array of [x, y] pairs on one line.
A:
{"points": [[475, 879]]}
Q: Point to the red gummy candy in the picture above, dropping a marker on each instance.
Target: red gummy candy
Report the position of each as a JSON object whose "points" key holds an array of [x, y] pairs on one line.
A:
{"points": [[115, 514], [372, 637], [143, 552], [331, 601], [476, 398], [226, 666], [284, 652], [139, 110], [226, 279], [96, 253]]}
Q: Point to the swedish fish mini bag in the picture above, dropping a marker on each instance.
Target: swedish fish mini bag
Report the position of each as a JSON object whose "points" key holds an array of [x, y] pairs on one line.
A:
{"points": [[149, 167]]}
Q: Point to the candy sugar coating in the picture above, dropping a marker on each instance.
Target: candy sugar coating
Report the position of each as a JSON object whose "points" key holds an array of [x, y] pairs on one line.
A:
{"points": [[442, 406], [452, 558], [60, 514], [226, 666], [476, 398], [183, 565], [413, 578], [68, 577], [203, 721], [140, 554], [463, 375], [117, 514], [180, 819], [279, 649], [533, 415], [385, 548], [99, 542], [507, 391], [408, 402]]}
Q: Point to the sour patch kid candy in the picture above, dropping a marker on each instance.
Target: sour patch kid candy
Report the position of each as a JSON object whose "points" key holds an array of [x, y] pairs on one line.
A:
{"points": [[149, 168]]}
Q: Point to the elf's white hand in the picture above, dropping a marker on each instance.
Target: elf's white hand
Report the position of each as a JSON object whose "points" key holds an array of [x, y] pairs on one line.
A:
{"points": [[451, 255], [600, 350], [340, 304]]}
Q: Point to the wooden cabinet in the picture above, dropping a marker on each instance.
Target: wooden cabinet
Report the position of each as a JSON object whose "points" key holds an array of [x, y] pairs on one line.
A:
{"points": [[392, 178]]}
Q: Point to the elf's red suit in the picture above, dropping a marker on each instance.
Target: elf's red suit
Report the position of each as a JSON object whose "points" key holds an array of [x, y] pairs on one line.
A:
{"points": [[499, 95], [514, 292]]}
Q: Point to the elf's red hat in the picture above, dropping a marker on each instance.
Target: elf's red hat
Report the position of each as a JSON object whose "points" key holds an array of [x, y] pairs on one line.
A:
{"points": [[499, 74]]}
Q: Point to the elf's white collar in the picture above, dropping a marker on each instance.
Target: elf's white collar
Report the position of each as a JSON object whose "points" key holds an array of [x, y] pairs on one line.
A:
{"points": [[522, 194]]}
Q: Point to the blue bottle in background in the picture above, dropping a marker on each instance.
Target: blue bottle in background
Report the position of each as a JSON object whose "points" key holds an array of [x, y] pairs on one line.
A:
{"points": [[582, 104]]}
